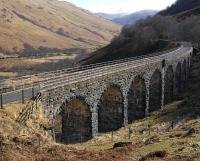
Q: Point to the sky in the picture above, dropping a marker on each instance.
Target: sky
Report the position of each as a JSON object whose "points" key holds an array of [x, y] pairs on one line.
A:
{"points": [[121, 6]]}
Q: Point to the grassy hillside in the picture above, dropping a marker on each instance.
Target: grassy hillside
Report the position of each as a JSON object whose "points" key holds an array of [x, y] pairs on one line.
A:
{"points": [[35, 26], [53, 30]]}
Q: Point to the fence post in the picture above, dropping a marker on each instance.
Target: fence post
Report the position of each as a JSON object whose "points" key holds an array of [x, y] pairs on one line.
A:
{"points": [[33, 93], [129, 133], [22, 96], [1, 100], [39, 140], [149, 129], [54, 135], [112, 135], [36, 103], [172, 125]]}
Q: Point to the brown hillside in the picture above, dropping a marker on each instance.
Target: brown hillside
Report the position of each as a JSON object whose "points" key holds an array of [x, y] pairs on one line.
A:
{"points": [[51, 24]]}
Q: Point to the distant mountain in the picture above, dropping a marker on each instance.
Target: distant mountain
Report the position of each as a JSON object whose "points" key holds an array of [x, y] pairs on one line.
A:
{"points": [[51, 25], [132, 18], [180, 6], [111, 16]]}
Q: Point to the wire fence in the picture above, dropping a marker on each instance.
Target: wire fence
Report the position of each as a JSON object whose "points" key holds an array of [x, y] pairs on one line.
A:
{"points": [[125, 134], [162, 128]]}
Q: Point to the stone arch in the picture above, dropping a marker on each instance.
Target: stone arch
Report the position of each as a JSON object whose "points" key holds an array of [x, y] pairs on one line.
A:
{"points": [[169, 85], [73, 123], [155, 91], [177, 86], [136, 99], [183, 74], [111, 109]]}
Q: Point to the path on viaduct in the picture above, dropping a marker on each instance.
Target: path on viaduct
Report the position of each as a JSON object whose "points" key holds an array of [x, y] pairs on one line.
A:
{"points": [[81, 102]]}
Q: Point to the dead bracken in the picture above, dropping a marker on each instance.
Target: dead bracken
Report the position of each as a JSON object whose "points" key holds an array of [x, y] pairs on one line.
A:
{"points": [[156, 154]]}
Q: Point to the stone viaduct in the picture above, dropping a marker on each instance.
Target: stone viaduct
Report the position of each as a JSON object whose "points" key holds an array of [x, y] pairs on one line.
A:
{"points": [[106, 97]]}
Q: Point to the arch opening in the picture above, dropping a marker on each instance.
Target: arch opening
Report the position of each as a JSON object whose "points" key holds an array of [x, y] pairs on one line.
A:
{"points": [[177, 87], [111, 110], [169, 85], [155, 91], [73, 124], [137, 100]]}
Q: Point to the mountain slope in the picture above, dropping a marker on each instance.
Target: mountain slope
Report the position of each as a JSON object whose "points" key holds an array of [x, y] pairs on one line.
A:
{"points": [[49, 25], [132, 18], [146, 36]]}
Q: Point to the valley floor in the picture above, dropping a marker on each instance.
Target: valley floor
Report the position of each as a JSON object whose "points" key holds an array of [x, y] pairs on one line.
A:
{"points": [[12, 67], [169, 134]]}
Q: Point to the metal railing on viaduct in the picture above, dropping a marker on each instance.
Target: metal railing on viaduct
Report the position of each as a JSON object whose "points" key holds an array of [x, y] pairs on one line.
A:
{"points": [[106, 95]]}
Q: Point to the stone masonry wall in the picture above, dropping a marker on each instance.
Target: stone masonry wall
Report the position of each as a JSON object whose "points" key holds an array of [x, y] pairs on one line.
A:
{"points": [[91, 91]]}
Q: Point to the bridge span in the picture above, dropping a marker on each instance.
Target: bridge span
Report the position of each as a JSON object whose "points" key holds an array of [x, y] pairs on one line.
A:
{"points": [[83, 101]]}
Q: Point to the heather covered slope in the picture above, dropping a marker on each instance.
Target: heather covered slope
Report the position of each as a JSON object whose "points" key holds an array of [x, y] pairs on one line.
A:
{"points": [[51, 24]]}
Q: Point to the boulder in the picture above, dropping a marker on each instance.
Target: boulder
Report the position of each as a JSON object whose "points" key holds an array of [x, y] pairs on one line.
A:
{"points": [[190, 132], [122, 144], [196, 145], [151, 140]]}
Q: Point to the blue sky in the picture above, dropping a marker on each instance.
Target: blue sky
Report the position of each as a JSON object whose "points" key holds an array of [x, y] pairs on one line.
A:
{"points": [[117, 6]]}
